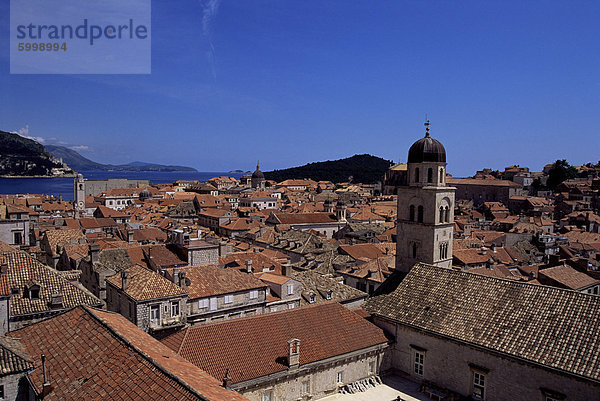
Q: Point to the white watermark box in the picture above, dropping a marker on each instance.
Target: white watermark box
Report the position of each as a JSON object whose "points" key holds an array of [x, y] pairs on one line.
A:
{"points": [[80, 37]]}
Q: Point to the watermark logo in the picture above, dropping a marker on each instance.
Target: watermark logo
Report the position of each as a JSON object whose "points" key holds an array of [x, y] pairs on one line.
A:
{"points": [[80, 37]]}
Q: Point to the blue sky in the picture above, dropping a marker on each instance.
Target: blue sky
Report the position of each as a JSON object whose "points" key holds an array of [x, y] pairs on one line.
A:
{"points": [[290, 82]]}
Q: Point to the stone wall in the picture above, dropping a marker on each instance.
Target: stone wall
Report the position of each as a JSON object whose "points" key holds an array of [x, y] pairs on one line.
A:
{"points": [[322, 380], [451, 365]]}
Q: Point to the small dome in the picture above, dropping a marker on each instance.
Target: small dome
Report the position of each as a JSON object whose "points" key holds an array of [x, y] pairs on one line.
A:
{"points": [[145, 194], [427, 150], [258, 174]]}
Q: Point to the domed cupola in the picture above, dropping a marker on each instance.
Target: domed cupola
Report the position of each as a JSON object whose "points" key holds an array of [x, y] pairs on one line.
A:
{"points": [[258, 178], [427, 150], [257, 173]]}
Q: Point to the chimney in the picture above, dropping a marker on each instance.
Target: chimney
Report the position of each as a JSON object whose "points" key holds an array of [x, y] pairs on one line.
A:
{"points": [[256, 250], [130, 236], [182, 280], [222, 249], [249, 268], [294, 353], [226, 379], [4, 268], [94, 251], [46, 387], [286, 269], [176, 275], [124, 280]]}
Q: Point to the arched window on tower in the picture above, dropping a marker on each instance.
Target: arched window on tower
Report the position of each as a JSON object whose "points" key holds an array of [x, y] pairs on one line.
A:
{"points": [[412, 213], [441, 214], [429, 174], [414, 250], [417, 179], [441, 175], [447, 214], [420, 214]]}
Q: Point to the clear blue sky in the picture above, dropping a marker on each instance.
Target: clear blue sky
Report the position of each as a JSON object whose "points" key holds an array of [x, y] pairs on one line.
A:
{"points": [[291, 82]]}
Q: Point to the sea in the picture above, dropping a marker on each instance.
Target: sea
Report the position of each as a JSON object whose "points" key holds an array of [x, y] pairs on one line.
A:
{"points": [[64, 186]]}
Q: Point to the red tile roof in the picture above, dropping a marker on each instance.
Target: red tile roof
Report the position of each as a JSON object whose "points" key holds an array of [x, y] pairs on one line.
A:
{"points": [[257, 346], [209, 280], [145, 284], [98, 355]]}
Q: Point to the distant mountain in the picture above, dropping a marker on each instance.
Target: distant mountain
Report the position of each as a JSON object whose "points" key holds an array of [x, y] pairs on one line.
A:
{"points": [[20, 156], [80, 163], [364, 168]]}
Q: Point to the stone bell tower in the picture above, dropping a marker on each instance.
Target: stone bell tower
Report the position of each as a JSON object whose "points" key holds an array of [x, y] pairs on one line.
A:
{"points": [[425, 208]]}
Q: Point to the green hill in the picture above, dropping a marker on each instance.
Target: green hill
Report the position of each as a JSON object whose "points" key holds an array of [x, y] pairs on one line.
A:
{"points": [[365, 169], [20, 156]]}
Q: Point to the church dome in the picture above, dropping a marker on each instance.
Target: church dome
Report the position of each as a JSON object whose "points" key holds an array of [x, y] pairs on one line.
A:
{"points": [[145, 194], [427, 150], [258, 174]]}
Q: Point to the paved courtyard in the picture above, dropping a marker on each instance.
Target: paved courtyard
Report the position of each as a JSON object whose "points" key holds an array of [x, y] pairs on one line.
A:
{"points": [[393, 387]]}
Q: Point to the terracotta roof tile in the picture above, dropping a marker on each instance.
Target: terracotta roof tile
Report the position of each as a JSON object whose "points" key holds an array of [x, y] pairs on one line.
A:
{"points": [[209, 280], [92, 354], [145, 284], [550, 326], [257, 346]]}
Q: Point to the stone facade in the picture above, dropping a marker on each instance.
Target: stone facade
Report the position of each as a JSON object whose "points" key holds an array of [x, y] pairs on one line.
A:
{"points": [[425, 216], [140, 312], [4, 315], [216, 308], [314, 381], [452, 365]]}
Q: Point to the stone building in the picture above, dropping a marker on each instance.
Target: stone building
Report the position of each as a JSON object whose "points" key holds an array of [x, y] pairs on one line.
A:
{"points": [[37, 291], [219, 294], [463, 334], [425, 208], [152, 302], [481, 190], [299, 354], [15, 364], [258, 178]]}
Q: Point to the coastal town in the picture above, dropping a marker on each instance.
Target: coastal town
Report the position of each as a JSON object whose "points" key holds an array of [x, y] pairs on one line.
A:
{"points": [[420, 286]]}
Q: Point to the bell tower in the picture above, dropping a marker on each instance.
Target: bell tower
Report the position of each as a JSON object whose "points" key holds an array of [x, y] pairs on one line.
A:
{"points": [[79, 195], [425, 208]]}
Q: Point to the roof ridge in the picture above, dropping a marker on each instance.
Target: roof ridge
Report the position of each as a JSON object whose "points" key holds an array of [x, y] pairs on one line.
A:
{"points": [[147, 357], [489, 278]]}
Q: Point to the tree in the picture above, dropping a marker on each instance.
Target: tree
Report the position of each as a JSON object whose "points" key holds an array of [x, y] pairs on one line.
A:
{"points": [[561, 171]]}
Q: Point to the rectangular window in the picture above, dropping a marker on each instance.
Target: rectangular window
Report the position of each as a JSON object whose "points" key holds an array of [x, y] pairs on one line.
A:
{"points": [[371, 367], [305, 387], [291, 306], [478, 386], [175, 308], [340, 377], [267, 396], [18, 238], [203, 303], [228, 299], [290, 289], [419, 363], [1, 392], [254, 294], [155, 313], [213, 303]]}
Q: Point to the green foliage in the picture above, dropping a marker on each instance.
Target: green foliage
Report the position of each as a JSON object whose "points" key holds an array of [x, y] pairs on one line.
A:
{"points": [[23, 157], [561, 171], [364, 168]]}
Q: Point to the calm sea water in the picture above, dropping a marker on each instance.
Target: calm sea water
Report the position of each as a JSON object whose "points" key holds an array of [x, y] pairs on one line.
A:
{"points": [[64, 186]]}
